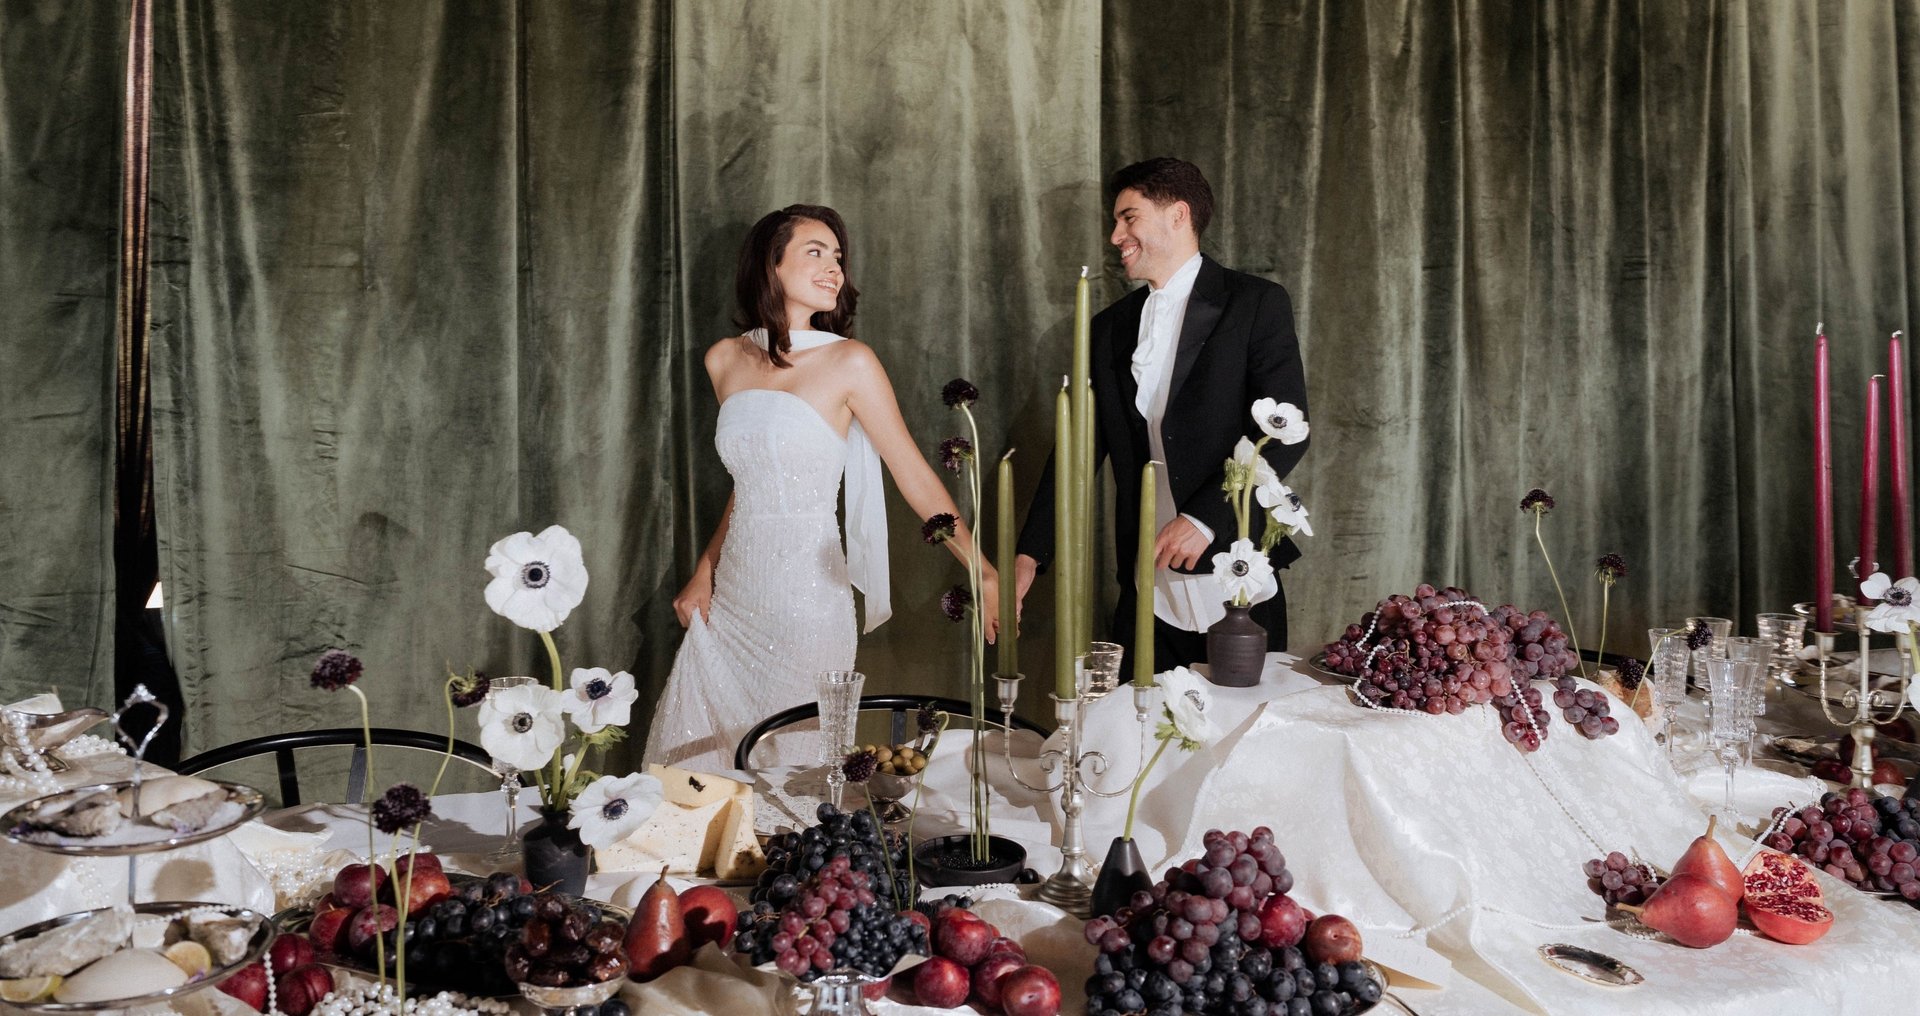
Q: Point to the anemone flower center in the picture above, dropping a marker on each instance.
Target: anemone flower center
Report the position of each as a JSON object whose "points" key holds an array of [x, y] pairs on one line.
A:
{"points": [[1193, 699], [1240, 568], [535, 574], [597, 688], [613, 809], [1279, 422], [522, 722], [1899, 597], [1293, 499]]}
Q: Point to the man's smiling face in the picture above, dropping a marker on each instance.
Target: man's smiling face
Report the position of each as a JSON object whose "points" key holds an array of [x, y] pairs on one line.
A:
{"points": [[1153, 240]]}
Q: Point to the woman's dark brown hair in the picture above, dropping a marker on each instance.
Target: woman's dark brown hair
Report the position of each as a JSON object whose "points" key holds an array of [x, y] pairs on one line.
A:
{"points": [[763, 303]]}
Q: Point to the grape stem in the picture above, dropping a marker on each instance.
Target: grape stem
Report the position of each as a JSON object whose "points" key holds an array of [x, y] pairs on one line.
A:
{"points": [[1578, 660]]}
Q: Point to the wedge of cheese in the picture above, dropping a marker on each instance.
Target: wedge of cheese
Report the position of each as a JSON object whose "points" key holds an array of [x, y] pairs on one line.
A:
{"points": [[739, 856], [694, 790], [681, 839]]}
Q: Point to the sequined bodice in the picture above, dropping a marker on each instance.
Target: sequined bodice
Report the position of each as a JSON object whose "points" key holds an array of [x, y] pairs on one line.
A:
{"points": [[784, 456]]}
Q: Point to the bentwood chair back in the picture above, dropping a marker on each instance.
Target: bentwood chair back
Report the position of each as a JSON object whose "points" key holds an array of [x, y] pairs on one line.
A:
{"points": [[282, 747], [901, 706]]}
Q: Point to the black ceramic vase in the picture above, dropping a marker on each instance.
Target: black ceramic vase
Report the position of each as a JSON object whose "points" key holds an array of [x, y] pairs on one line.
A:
{"points": [[948, 860], [1236, 649], [554, 856], [1121, 876]]}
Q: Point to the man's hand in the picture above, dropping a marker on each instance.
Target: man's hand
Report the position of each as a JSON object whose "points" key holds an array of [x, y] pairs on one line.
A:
{"points": [[1025, 567], [1179, 545]]}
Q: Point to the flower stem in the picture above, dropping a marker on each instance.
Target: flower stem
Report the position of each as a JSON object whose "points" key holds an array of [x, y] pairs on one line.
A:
{"points": [[886, 854], [553, 794], [373, 849], [445, 757], [1564, 612], [1133, 799], [1606, 594], [982, 821]]}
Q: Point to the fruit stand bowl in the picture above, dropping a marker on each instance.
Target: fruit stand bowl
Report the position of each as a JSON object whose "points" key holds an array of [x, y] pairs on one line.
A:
{"points": [[556, 1001]]}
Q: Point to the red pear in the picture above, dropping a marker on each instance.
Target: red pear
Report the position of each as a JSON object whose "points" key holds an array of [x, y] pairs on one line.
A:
{"points": [[1690, 910], [657, 938], [1707, 859]]}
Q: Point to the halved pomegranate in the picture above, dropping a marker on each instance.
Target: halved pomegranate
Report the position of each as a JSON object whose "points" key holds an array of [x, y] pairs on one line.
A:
{"points": [[1783, 900]]}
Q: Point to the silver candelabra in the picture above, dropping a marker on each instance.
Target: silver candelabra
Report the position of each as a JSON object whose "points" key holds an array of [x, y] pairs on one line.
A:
{"points": [[1871, 706], [1073, 770]]}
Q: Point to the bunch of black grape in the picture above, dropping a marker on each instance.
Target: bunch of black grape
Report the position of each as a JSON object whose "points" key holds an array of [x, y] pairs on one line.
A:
{"points": [[1867, 841], [1196, 943], [1539, 647], [1585, 708], [465, 940], [1436, 651], [856, 836], [1516, 709], [833, 921], [1618, 880]]}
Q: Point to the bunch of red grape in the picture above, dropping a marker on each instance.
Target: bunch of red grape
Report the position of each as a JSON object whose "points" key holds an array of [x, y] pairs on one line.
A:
{"points": [[1856, 837], [1585, 708], [1220, 935], [1439, 651], [832, 921], [1618, 880]]}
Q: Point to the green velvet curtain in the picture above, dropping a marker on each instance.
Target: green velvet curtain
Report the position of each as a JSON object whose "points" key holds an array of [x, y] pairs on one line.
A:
{"points": [[429, 273]]}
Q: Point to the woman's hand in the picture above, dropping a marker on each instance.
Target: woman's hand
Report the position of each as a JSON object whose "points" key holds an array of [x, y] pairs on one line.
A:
{"points": [[989, 605], [696, 595]]}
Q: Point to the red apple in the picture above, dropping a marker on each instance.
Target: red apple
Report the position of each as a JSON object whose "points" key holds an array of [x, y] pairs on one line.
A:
{"points": [[249, 985], [423, 859], [940, 983], [367, 923], [1332, 939], [326, 902], [1282, 922], [986, 976], [1030, 991], [428, 886], [709, 914], [290, 951], [328, 932], [1004, 946], [358, 885], [302, 988], [963, 939]]}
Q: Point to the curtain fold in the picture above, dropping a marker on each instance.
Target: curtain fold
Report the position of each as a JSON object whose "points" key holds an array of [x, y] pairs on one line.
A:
{"points": [[428, 274], [61, 78]]}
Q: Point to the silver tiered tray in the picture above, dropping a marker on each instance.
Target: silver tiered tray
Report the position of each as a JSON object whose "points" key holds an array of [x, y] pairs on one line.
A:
{"points": [[263, 934], [13, 822]]}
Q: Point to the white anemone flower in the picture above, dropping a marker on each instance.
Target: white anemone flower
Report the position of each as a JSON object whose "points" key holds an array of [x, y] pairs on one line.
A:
{"points": [[1282, 421], [521, 726], [1899, 605], [1187, 703], [1285, 506], [1245, 573], [537, 580], [1247, 455], [600, 699], [610, 808]]}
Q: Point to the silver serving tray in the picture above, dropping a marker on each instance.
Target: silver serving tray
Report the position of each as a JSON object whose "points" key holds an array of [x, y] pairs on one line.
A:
{"points": [[250, 800], [263, 935]]}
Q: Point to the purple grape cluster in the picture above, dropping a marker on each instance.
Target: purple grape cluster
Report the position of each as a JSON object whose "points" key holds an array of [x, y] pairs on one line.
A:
{"points": [[1539, 645], [1618, 880], [1584, 708], [1870, 842], [1516, 709]]}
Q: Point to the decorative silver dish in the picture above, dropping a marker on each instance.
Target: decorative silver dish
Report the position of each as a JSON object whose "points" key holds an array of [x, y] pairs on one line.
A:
{"points": [[16, 823], [262, 937]]}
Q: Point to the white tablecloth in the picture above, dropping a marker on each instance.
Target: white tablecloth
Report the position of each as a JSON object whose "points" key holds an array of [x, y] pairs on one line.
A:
{"points": [[1459, 857]]}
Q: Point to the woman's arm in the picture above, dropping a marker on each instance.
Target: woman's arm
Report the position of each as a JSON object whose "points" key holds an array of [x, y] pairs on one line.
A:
{"points": [[870, 396], [697, 594]]}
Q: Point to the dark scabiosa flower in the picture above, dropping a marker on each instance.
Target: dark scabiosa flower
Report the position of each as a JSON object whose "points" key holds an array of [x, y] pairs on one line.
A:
{"points": [[468, 690], [1537, 501], [336, 669], [940, 528], [1610, 568], [927, 720], [860, 766], [1699, 636], [402, 805], [959, 392], [954, 452], [1632, 671], [954, 603]]}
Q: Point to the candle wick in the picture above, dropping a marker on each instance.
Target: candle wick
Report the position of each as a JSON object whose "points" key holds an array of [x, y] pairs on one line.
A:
{"points": [[1083, 271], [1066, 382], [1898, 334], [1820, 328]]}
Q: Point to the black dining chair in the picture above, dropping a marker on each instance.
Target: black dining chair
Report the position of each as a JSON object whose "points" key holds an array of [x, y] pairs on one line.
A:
{"points": [[901, 706], [282, 747]]}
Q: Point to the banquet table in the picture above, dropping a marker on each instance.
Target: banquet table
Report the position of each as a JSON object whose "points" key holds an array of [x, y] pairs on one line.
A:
{"points": [[1456, 855]]}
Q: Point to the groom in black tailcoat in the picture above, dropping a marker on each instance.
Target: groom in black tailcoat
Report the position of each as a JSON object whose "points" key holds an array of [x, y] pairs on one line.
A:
{"points": [[1176, 367]]}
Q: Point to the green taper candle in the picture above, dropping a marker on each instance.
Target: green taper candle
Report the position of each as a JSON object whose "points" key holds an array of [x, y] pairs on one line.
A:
{"points": [[1065, 569], [1083, 474], [1143, 583], [1003, 537]]}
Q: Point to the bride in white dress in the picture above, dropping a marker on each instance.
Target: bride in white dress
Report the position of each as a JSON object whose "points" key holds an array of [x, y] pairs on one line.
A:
{"points": [[770, 603]]}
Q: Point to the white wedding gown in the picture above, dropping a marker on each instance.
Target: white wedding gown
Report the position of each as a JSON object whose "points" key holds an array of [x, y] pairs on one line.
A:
{"points": [[782, 610]]}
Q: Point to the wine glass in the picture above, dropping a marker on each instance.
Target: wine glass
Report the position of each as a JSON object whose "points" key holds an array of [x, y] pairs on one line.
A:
{"points": [[839, 693], [508, 851], [1730, 726], [1668, 658], [1099, 671], [1789, 633]]}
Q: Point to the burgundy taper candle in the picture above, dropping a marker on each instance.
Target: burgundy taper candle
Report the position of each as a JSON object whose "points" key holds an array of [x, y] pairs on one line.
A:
{"points": [[1897, 452], [1870, 483], [1822, 489]]}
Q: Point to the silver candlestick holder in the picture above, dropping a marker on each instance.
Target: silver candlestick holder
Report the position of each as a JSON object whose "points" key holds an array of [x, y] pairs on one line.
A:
{"points": [[1871, 706], [1074, 770]]}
